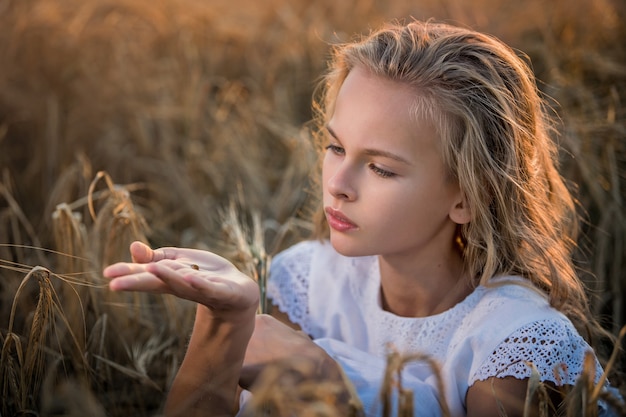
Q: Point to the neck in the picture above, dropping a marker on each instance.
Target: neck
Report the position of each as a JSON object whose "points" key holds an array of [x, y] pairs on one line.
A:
{"points": [[411, 288]]}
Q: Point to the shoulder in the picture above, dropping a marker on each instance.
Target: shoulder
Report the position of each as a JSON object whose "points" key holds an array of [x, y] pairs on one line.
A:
{"points": [[293, 265], [510, 302], [505, 305], [514, 326], [290, 279], [513, 288], [297, 259], [320, 289], [288, 283]]}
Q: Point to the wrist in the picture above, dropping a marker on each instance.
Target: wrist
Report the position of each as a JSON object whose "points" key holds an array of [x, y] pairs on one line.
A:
{"points": [[208, 376], [235, 317], [228, 334]]}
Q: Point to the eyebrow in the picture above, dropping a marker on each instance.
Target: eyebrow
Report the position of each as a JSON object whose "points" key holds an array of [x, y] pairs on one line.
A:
{"points": [[374, 152]]}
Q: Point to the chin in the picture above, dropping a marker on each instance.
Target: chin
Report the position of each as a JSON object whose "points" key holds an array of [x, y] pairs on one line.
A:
{"points": [[349, 249]]}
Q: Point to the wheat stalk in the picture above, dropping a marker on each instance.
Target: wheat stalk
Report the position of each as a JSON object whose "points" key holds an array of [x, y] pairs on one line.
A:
{"points": [[393, 381], [536, 391], [43, 320], [12, 389]]}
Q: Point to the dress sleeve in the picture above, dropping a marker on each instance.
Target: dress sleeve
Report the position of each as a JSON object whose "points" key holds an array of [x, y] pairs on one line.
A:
{"points": [[288, 284], [553, 346]]}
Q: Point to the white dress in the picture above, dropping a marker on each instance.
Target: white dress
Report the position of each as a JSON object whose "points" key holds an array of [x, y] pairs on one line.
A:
{"points": [[491, 333]]}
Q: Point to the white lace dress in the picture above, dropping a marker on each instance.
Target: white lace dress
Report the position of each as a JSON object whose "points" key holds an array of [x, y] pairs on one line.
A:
{"points": [[492, 333]]}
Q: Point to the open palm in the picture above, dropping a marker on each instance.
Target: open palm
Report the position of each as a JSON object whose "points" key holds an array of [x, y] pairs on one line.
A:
{"points": [[192, 274]]}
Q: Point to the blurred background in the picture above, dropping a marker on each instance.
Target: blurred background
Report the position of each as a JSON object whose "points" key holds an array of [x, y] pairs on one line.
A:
{"points": [[184, 123]]}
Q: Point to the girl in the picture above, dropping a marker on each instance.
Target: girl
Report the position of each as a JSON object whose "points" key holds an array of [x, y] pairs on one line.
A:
{"points": [[445, 230]]}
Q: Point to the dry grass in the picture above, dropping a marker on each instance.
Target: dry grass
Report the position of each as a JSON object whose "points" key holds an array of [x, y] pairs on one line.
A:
{"points": [[392, 382], [199, 108], [288, 388]]}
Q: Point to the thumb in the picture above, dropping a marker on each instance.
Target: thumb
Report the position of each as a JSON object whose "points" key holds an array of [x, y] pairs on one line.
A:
{"points": [[141, 253]]}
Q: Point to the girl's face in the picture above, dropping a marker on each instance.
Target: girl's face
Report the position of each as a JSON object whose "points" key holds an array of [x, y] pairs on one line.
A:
{"points": [[384, 181]]}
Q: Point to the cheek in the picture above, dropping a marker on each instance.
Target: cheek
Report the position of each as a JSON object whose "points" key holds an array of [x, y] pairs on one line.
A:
{"points": [[390, 194], [325, 171], [388, 205], [328, 167], [399, 207]]}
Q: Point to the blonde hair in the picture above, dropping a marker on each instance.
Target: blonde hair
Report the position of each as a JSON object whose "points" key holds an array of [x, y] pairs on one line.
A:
{"points": [[495, 141]]}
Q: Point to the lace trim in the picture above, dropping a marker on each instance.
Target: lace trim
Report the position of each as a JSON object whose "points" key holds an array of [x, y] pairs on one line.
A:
{"points": [[429, 335], [556, 348], [288, 286]]}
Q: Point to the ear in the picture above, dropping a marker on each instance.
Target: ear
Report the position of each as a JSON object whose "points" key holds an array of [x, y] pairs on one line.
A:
{"points": [[460, 212]]}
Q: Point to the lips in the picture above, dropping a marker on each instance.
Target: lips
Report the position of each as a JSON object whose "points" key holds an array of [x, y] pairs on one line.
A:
{"points": [[339, 221]]}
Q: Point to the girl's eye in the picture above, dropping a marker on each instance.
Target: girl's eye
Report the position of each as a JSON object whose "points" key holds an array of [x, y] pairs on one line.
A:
{"points": [[337, 150], [381, 172]]}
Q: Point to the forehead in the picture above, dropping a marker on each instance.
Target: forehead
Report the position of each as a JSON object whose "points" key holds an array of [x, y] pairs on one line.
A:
{"points": [[394, 96], [379, 102], [375, 114]]}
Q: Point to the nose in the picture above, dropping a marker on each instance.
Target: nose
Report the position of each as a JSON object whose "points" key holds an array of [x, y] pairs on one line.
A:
{"points": [[341, 182]]}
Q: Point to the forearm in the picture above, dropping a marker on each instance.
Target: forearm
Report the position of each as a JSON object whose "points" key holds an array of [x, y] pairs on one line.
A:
{"points": [[207, 381]]}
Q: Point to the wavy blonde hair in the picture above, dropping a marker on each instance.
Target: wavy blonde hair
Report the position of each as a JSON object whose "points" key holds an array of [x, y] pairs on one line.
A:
{"points": [[495, 141]]}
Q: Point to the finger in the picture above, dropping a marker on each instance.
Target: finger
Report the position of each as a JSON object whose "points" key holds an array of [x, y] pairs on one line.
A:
{"points": [[144, 282], [194, 285], [168, 253], [179, 264], [140, 252], [202, 258], [175, 279], [123, 268]]}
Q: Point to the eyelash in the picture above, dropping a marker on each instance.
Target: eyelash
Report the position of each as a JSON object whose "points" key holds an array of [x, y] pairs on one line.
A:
{"points": [[383, 173], [338, 150]]}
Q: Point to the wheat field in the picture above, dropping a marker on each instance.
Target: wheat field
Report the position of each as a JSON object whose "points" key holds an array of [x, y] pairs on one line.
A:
{"points": [[184, 123]]}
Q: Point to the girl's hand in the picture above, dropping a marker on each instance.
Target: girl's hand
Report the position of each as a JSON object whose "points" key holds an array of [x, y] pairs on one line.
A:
{"points": [[191, 274], [302, 362], [275, 342]]}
